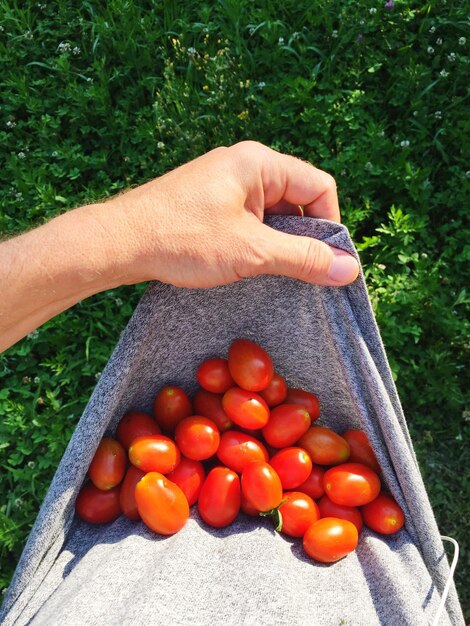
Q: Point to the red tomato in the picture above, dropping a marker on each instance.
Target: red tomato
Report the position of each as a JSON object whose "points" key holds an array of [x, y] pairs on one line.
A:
{"points": [[214, 376], [328, 508], [324, 446], [161, 504], [154, 453], [330, 539], [245, 408], [250, 366], [210, 405], [287, 423], [248, 508], [361, 450], [313, 486], [219, 499], [352, 484], [189, 476], [127, 494], [298, 513], [197, 437], [135, 424], [306, 399], [108, 466], [261, 486], [275, 392], [293, 466], [384, 515], [170, 407], [96, 506], [237, 449]]}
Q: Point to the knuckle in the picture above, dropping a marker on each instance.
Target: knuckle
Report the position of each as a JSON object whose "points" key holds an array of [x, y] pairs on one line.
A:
{"points": [[330, 182], [316, 259]]}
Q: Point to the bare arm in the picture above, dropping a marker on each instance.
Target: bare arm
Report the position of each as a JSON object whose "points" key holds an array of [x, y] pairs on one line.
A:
{"points": [[198, 226]]}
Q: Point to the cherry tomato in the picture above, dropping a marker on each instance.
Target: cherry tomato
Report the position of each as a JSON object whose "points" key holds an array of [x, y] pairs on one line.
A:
{"points": [[276, 392], [161, 504], [293, 466], [261, 486], [96, 506], [237, 449], [245, 408], [127, 494], [250, 366], [135, 424], [210, 405], [384, 515], [306, 399], [197, 437], [154, 453], [352, 484], [189, 476], [248, 508], [299, 512], [330, 539], [287, 423], [219, 499], [324, 446], [108, 466], [361, 450], [328, 508], [214, 376], [313, 486], [170, 407]]}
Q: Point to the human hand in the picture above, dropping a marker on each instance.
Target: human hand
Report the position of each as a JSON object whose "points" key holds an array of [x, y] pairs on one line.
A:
{"points": [[198, 226], [201, 224]]}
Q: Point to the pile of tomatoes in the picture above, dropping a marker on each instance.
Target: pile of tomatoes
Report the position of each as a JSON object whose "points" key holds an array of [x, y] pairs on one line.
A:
{"points": [[245, 442]]}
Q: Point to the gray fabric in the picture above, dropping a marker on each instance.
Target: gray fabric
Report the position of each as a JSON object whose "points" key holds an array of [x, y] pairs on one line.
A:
{"points": [[322, 339]]}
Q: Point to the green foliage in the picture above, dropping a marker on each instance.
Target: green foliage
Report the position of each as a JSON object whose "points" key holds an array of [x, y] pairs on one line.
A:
{"points": [[98, 97]]}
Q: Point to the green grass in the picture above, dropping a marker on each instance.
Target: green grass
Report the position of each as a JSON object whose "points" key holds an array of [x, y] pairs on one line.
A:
{"points": [[98, 97]]}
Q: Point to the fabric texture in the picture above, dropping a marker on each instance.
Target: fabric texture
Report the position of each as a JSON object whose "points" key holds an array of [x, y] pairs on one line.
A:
{"points": [[322, 339]]}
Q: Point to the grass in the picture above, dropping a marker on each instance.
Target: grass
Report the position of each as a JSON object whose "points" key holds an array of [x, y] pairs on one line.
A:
{"points": [[100, 97]]}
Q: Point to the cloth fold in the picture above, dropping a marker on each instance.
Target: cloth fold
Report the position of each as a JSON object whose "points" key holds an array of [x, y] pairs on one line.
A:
{"points": [[322, 339]]}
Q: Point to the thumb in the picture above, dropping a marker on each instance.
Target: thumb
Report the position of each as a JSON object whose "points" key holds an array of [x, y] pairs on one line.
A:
{"points": [[308, 259]]}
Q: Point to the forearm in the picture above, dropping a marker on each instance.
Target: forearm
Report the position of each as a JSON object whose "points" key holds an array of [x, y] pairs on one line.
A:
{"points": [[47, 270]]}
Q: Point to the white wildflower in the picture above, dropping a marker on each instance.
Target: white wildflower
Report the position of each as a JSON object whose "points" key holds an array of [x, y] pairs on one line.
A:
{"points": [[444, 73], [438, 115], [334, 34], [21, 155], [280, 41], [192, 51], [432, 29], [430, 50], [11, 124], [160, 145], [439, 41], [452, 56], [372, 11], [462, 41], [64, 47], [405, 143], [76, 50]]}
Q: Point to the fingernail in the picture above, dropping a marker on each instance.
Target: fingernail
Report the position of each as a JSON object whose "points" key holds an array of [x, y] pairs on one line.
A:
{"points": [[344, 269]]}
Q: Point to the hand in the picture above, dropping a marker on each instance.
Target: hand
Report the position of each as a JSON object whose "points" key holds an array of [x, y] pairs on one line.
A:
{"points": [[198, 226], [201, 224]]}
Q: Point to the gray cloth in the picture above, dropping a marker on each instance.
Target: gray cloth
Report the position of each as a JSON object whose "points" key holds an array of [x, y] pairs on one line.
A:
{"points": [[322, 339]]}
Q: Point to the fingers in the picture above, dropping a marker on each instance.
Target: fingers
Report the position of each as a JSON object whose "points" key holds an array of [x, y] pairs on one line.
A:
{"points": [[289, 180], [307, 259]]}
